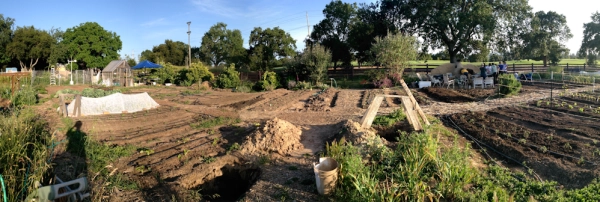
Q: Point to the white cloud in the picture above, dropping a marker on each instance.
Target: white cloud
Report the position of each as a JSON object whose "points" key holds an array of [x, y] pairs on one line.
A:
{"points": [[159, 21], [237, 9]]}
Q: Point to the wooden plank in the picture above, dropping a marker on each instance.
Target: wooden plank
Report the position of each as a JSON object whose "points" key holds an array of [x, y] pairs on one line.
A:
{"points": [[412, 117], [414, 101], [77, 107], [368, 118], [63, 109]]}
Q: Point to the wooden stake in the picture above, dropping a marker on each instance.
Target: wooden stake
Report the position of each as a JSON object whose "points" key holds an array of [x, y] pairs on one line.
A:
{"points": [[367, 120], [409, 110], [414, 101]]}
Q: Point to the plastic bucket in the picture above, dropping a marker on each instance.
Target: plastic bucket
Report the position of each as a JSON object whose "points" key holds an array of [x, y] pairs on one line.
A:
{"points": [[326, 174]]}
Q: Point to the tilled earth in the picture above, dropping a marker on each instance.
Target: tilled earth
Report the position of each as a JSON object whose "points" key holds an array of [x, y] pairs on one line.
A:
{"points": [[179, 159]]}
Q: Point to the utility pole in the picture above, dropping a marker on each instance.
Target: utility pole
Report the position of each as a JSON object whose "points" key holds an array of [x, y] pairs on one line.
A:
{"points": [[307, 26], [189, 64]]}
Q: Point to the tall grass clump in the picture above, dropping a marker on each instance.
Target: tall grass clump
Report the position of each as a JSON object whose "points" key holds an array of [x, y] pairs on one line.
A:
{"points": [[24, 154], [415, 170], [420, 169]]}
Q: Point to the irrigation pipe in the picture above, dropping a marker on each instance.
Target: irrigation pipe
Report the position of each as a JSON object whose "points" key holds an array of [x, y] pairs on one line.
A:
{"points": [[500, 153], [3, 189]]}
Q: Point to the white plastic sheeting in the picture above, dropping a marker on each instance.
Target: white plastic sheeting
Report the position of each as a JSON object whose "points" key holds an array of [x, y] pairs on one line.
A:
{"points": [[114, 104]]}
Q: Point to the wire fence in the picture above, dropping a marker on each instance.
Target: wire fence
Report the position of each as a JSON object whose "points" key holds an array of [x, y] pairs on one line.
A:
{"points": [[557, 83]]}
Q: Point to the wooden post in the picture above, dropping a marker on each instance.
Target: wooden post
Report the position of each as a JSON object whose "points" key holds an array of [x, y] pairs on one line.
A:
{"points": [[583, 66], [414, 101], [77, 107], [409, 109], [367, 120], [514, 68], [532, 69], [427, 68], [63, 108]]}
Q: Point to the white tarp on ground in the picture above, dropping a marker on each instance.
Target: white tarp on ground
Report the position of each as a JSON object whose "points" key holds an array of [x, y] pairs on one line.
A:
{"points": [[114, 104]]}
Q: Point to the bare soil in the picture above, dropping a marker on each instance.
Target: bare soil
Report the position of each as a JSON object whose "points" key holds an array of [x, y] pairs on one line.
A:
{"points": [[281, 133]]}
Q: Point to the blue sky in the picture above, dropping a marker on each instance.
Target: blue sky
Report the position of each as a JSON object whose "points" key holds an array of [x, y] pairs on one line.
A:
{"points": [[144, 24]]}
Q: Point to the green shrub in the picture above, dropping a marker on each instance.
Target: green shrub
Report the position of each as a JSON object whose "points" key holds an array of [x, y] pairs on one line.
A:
{"points": [[198, 72], [167, 74], [509, 85], [390, 119], [25, 96], [229, 78], [555, 69], [303, 85], [269, 82]]}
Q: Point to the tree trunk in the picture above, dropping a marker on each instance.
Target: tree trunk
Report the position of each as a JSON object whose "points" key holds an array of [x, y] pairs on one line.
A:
{"points": [[452, 55]]}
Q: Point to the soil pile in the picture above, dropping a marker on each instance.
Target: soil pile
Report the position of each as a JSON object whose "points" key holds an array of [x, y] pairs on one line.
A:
{"points": [[322, 102], [356, 134], [276, 135], [448, 95]]}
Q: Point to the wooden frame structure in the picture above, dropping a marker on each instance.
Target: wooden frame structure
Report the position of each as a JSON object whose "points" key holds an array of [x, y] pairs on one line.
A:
{"points": [[14, 79], [411, 108]]}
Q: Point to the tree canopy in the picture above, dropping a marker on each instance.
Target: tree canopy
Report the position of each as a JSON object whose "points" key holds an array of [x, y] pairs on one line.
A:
{"points": [[221, 45], [316, 58], [333, 31], [174, 52], [268, 45], [29, 45], [6, 33], [395, 51], [91, 44], [590, 46], [548, 30]]}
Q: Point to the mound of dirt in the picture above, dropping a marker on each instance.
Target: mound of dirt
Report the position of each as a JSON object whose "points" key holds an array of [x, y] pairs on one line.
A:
{"points": [[322, 102], [276, 135], [356, 134]]}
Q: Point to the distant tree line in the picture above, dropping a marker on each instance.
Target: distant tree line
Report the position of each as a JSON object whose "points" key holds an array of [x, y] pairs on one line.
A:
{"points": [[472, 30]]}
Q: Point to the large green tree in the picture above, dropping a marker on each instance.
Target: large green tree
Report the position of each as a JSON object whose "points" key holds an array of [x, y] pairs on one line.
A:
{"points": [[174, 52], [454, 25], [316, 59], [91, 44], [221, 45], [590, 46], [29, 45], [268, 45], [6, 33], [333, 31], [548, 31]]}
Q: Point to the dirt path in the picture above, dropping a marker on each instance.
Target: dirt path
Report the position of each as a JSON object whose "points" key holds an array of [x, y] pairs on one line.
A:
{"points": [[441, 108]]}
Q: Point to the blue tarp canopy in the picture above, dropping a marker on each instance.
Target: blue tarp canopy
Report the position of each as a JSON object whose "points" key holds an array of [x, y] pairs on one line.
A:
{"points": [[146, 64]]}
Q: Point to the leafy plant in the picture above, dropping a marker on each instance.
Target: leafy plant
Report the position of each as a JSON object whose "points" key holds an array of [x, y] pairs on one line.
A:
{"points": [[390, 119], [509, 85], [567, 146], [229, 78], [268, 83]]}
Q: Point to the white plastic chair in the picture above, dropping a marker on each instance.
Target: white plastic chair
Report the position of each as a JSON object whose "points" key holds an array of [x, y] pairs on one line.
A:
{"points": [[489, 81], [478, 82], [51, 192], [448, 81], [434, 81]]}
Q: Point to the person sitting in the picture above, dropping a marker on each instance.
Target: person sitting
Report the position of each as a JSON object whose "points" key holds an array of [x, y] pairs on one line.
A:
{"points": [[464, 71]]}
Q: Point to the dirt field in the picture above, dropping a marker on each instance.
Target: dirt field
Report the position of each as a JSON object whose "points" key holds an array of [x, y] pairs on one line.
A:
{"points": [[287, 130]]}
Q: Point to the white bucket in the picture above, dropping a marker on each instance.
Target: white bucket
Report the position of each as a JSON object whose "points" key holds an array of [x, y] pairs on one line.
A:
{"points": [[326, 174]]}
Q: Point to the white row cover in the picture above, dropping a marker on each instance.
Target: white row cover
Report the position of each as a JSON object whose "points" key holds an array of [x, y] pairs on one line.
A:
{"points": [[114, 104]]}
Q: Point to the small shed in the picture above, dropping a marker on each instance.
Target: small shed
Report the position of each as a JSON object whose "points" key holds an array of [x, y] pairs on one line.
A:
{"points": [[117, 73]]}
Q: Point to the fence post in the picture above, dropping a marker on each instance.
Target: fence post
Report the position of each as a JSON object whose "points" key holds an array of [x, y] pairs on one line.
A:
{"points": [[583, 66], [551, 75], [514, 68], [532, 68], [427, 68], [567, 66]]}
